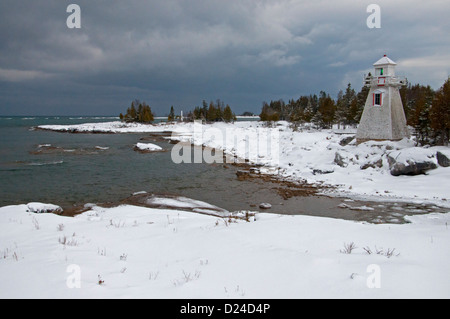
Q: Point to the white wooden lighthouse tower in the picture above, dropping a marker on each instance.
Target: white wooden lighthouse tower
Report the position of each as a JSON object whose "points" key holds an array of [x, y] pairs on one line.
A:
{"points": [[383, 117]]}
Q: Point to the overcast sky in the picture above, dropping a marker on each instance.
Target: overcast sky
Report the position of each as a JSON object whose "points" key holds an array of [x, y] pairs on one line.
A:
{"points": [[180, 52]]}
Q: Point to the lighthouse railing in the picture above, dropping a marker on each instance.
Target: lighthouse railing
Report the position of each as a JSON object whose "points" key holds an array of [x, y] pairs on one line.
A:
{"points": [[385, 81]]}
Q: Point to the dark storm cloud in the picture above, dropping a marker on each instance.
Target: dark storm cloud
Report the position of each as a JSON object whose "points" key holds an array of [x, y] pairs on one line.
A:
{"points": [[179, 52]]}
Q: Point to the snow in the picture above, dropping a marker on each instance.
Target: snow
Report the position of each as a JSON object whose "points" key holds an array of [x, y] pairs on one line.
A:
{"points": [[414, 154], [158, 253], [148, 147], [182, 202], [384, 60]]}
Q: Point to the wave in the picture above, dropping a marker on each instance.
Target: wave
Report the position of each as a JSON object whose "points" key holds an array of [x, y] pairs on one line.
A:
{"points": [[45, 163], [102, 148]]}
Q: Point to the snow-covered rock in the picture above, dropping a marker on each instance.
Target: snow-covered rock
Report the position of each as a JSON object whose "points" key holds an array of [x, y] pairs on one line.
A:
{"points": [[41, 208], [411, 161], [265, 205], [147, 147]]}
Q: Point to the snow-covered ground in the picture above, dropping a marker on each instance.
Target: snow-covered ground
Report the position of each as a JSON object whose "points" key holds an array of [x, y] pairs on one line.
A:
{"points": [[136, 252], [313, 156]]}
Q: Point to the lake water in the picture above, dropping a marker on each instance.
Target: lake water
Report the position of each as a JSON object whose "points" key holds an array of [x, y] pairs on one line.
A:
{"points": [[74, 169]]}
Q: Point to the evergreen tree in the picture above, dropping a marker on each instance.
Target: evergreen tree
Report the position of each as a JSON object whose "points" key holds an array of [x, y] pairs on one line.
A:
{"points": [[171, 116], [143, 114], [211, 114], [132, 114], [419, 114], [327, 109], [440, 114], [228, 115], [309, 111], [357, 108], [317, 120]]}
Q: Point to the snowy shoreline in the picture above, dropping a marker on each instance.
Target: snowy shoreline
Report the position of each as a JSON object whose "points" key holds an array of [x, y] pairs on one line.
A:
{"points": [[360, 172]]}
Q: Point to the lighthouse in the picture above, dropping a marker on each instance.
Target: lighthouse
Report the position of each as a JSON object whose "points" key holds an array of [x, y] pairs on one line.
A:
{"points": [[383, 117]]}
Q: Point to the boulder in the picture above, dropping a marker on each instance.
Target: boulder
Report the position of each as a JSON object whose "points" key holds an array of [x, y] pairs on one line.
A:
{"points": [[346, 140], [321, 171], [40, 208], [265, 205], [339, 160], [373, 164], [411, 161], [443, 158]]}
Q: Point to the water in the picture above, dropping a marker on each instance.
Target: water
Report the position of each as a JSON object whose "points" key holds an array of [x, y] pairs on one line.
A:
{"points": [[74, 169], [69, 169]]}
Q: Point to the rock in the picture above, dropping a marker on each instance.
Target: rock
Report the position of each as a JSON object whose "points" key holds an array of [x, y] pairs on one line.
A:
{"points": [[40, 208], [242, 175], [412, 161], [346, 140], [339, 160], [147, 148], [322, 171], [443, 158], [373, 164], [265, 205]]}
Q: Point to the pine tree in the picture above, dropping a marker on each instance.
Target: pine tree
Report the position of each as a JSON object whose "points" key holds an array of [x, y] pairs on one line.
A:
{"points": [[133, 113], [327, 109], [440, 114], [309, 112], [228, 115], [317, 120], [419, 114], [171, 116], [211, 114]]}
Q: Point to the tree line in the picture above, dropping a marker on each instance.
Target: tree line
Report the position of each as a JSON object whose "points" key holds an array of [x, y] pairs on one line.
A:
{"points": [[213, 112], [426, 110], [138, 112]]}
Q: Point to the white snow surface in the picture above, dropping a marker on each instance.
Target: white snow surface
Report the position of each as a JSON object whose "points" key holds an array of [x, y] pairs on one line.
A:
{"points": [[148, 147], [154, 253]]}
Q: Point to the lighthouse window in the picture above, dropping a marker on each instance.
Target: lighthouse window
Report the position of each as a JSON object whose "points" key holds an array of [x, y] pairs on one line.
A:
{"points": [[377, 99], [381, 71]]}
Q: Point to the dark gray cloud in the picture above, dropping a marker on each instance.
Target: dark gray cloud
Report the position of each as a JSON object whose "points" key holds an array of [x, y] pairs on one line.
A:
{"points": [[179, 52]]}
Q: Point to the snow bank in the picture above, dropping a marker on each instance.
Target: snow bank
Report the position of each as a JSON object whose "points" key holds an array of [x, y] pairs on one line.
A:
{"points": [[181, 202], [136, 252]]}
